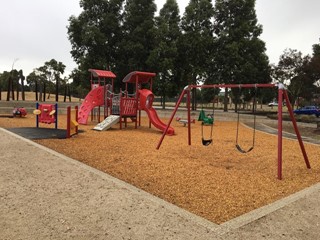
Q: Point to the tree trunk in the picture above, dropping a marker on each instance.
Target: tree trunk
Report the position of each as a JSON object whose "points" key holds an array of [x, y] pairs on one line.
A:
{"points": [[65, 94], [225, 100], [36, 90], [8, 90], [40, 92], [22, 90], [69, 93], [44, 91], [18, 89], [163, 100], [57, 90], [194, 99], [12, 90]]}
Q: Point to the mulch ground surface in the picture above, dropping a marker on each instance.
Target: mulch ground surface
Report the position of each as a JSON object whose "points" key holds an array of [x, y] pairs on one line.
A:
{"points": [[216, 182]]}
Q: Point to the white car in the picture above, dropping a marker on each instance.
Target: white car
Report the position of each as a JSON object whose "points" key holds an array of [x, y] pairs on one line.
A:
{"points": [[273, 104]]}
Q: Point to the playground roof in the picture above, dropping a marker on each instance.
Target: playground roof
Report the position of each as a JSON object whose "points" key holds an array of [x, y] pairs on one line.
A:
{"points": [[142, 77], [102, 73]]}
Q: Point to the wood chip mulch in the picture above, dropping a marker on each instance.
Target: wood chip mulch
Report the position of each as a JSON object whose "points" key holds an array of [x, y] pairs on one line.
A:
{"points": [[216, 182]]}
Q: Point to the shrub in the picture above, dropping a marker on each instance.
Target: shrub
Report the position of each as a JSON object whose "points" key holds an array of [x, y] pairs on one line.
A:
{"points": [[299, 118]]}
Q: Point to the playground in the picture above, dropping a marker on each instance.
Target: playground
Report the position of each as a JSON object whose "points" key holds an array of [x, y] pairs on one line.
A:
{"points": [[216, 182], [213, 178]]}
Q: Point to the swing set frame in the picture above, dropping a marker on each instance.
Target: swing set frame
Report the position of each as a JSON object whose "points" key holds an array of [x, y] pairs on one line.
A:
{"points": [[282, 95]]}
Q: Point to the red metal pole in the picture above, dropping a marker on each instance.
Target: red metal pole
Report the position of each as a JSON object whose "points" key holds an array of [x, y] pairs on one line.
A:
{"points": [[189, 117], [171, 118], [280, 94], [296, 129]]}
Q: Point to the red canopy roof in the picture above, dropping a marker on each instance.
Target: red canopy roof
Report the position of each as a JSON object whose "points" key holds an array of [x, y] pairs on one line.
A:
{"points": [[142, 77], [102, 73]]}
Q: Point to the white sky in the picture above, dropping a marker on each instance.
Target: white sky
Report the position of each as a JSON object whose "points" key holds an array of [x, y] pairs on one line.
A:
{"points": [[35, 31]]}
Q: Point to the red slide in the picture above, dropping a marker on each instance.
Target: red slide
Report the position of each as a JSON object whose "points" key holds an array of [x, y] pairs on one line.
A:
{"points": [[92, 100], [146, 100]]}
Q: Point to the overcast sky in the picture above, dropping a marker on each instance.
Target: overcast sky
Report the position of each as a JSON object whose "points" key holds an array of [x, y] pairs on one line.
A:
{"points": [[35, 31]]}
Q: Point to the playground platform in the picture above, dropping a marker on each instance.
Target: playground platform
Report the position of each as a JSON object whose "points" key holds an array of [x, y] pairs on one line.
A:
{"points": [[46, 195]]}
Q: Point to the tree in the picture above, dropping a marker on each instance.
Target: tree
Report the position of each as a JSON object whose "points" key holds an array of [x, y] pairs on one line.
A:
{"points": [[34, 80], [290, 65], [66, 88], [13, 83], [197, 42], [138, 36], [240, 54], [292, 71], [22, 78], [4, 81], [95, 36], [45, 76], [163, 58], [313, 69], [51, 71]]}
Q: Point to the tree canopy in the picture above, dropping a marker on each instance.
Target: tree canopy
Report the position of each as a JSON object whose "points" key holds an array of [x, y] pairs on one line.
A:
{"points": [[299, 73], [164, 56], [240, 55], [210, 44], [95, 36]]}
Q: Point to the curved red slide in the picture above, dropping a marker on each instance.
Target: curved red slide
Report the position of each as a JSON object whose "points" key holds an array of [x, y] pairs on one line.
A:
{"points": [[146, 100], [92, 100]]}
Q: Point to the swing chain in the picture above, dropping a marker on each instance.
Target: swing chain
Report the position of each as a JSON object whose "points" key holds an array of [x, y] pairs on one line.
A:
{"points": [[254, 124]]}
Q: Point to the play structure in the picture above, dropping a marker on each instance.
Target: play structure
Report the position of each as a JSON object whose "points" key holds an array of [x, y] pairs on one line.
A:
{"points": [[282, 95], [118, 108], [19, 112], [16, 112], [72, 121], [48, 113]]}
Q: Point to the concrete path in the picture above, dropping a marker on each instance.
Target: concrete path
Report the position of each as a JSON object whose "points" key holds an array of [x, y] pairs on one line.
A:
{"points": [[45, 195]]}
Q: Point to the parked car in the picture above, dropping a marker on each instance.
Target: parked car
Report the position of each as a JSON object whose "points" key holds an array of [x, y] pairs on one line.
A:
{"points": [[308, 110], [272, 104]]}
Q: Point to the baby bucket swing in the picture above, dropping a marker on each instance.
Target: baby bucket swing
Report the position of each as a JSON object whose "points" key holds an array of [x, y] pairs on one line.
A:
{"points": [[206, 121]]}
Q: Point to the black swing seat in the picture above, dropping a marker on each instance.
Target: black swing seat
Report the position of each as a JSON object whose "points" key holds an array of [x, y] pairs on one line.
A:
{"points": [[243, 151], [206, 142]]}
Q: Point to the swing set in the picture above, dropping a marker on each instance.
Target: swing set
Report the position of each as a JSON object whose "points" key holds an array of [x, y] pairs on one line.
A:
{"points": [[282, 95]]}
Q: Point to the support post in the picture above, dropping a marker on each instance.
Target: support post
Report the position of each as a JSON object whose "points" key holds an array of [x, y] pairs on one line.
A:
{"points": [[280, 94], [189, 117], [172, 116], [37, 116], [295, 126], [56, 116]]}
